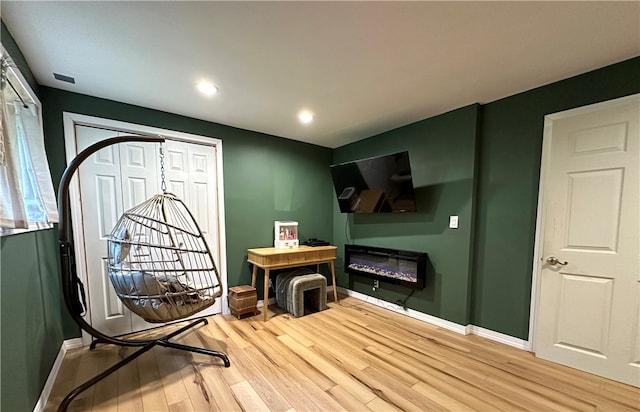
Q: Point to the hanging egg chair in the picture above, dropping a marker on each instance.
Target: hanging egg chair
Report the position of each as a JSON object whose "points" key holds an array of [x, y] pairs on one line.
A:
{"points": [[158, 262]]}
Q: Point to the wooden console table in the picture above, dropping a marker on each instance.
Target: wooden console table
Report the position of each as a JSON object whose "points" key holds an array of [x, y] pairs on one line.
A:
{"points": [[269, 258]]}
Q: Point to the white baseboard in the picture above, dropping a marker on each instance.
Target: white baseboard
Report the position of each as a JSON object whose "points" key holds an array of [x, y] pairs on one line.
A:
{"points": [[72, 344], [442, 323], [445, 324], [48, 385], [500, 337]]}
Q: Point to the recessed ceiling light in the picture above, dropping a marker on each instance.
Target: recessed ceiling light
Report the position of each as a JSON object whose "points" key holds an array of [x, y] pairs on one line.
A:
{"points": [[206, 88], [305, 116]]}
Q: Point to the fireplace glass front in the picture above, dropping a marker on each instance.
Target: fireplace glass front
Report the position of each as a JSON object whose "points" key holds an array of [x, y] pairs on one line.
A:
{"points": [[390, 265]]}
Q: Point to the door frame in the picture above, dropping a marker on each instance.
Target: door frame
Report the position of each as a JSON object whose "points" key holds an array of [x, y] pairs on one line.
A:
{"points": [[70, 121], [538, 257]]}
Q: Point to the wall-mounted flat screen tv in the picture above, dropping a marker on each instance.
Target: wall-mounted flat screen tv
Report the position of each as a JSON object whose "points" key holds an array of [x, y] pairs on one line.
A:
{"points": [[380, 184]]}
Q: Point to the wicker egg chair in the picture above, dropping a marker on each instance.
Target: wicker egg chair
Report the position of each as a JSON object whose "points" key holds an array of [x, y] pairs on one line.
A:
{"points": [[158, 262]]}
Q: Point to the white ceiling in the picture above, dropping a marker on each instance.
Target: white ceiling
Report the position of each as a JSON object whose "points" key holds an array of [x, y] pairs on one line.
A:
{"points": [[362, 67]]}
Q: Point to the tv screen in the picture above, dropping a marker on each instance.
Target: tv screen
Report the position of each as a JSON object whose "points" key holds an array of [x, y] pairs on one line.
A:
{"points": [[380, 184]]}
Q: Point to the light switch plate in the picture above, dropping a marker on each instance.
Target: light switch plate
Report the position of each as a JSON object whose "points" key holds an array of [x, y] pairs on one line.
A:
{"points": [[453, 222]]}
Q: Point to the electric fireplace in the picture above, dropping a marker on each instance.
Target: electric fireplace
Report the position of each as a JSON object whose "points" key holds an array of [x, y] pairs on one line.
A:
{"points": [[389, 265]]}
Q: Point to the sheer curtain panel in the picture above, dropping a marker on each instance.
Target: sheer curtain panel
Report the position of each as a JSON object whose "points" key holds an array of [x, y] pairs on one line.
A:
{"points": [[27, 198]]}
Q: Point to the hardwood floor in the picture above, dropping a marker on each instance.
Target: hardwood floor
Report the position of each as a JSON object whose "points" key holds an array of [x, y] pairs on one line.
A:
{"points": [[353, 356]]}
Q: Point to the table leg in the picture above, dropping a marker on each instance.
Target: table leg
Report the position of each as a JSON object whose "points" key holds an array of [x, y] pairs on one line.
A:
{"points": [[333, 279], [254, 274], [265, 302]]}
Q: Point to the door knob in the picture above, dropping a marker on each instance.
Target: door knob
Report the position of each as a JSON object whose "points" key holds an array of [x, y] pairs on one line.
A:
{"points": [[552, 260]]}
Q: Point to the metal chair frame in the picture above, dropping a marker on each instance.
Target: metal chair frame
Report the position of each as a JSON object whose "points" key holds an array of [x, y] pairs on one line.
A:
{"points": [[73, 290]]}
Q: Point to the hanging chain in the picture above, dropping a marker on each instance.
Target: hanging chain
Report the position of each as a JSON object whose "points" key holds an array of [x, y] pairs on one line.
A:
{"points": [[163, 184]]}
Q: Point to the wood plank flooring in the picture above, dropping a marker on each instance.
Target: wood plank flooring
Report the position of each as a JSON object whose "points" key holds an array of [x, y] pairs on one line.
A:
{"points": [[353, 356]]}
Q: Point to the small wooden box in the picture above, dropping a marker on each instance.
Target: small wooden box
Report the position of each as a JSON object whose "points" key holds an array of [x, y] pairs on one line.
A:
{"points": [[242, 300]]}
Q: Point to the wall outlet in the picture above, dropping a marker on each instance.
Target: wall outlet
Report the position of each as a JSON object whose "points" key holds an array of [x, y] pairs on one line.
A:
{"points": [[453, 222], [376, 284]]}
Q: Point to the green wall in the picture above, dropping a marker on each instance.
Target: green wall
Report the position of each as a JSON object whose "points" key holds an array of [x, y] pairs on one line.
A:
{"points": [[31, 313], [508, 177], [442, 153], [31, 316]]}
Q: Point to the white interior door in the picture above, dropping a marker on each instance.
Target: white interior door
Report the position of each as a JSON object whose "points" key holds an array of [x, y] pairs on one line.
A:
{"points": [[588, 313], [121, 176]]}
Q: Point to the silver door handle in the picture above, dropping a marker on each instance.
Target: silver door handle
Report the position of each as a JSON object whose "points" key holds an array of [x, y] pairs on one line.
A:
{"points": [[552, 260]]}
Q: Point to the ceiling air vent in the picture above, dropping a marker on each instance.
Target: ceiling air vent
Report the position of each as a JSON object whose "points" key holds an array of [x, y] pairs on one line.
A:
{"points": [[64, 78]]}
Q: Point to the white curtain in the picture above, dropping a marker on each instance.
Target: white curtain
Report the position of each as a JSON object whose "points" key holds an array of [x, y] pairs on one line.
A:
{"points": [[27, 199]]}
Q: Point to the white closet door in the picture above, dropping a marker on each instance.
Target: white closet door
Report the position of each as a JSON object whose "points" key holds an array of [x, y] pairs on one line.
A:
{"points": [[121, 176], [190, 174], [190, 171]]}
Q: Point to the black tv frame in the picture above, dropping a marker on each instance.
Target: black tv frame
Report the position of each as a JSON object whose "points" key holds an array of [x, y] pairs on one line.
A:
{"points": [[359, 192]]}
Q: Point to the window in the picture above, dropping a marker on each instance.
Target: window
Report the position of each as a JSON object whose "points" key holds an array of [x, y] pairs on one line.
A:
{"points": [[27, 199]]}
